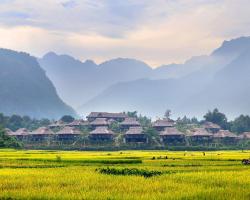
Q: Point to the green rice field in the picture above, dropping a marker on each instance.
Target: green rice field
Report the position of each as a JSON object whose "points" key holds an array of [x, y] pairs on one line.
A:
{"points": [[123, 175]]}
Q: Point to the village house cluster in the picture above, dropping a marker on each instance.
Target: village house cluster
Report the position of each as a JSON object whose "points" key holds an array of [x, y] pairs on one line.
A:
{"points": [[99, 125]]}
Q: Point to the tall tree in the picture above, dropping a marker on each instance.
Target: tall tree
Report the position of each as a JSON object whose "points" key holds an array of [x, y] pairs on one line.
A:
{"points": [[241, 124], [217, 117], [67, 118], [7, 141], [167, 114]]}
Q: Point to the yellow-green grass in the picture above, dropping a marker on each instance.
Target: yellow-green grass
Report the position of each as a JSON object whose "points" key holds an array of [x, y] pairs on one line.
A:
{"points": [[73, 175]]}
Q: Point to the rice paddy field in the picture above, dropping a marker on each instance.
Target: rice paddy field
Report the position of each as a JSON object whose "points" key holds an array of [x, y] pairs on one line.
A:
{"points": [[124, 175]]}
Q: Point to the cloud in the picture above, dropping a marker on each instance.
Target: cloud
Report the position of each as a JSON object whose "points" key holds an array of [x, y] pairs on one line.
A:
{"points": [[159, 32]]}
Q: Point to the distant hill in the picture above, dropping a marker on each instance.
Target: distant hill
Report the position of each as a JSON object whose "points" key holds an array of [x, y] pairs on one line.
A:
{"points": [[25, 88], [220, 80], [77, 82]]}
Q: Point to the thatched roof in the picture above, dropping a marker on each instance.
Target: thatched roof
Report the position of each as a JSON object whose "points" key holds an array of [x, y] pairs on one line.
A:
{"points": [[100, 122], [106, 115], [42, 131], [210, 125], [130, 121], [225, 134], [101, 130], [57, 124], [245, 135], [78, 123], [67, 130], [199, 132], [21, 132], [163, 123], [171, 131], [137, 130]]}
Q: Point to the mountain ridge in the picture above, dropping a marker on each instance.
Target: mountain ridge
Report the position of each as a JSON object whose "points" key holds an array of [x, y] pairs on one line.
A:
{"points": [[25, 88]]}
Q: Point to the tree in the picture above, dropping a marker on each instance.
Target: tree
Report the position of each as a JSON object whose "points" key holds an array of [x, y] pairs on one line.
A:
{"points": [[7, 141], [167, 113], [144, 121], [217, 118], [132, 114], [67, 118], [241, 124], [15, 122]]}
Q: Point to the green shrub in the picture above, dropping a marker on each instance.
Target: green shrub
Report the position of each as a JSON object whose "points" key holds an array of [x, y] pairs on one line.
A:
{"points": [[129, 172]]}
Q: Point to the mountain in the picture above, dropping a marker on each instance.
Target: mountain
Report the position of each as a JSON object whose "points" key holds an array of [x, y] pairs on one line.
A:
{"points": [[25, 88], [229, 90], [220, 80], [77, 82]]}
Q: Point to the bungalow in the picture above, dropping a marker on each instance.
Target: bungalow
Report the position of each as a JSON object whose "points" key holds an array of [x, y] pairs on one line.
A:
{"points": [[172, 135], [68, 133], [115, 116], [226, 137], [211, 127], [161, 124], [99, 122], [135, 134], [101, 133], [129, 122], [21, 133], [41, 134], [200, 136]]}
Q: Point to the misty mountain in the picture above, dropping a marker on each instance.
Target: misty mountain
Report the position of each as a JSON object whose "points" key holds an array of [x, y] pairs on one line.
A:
{"points": [[77, 82], [25, 88], [229, 90], [222, 80]]}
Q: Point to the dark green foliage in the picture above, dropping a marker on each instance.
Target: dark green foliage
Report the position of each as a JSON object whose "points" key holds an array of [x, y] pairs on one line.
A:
{"points": [[132, 114], [185, 123], [144, 121], [129, 172], [15, 122], [115, 127], [152, 135], [67, 118], [217, 117], [7, 141], [241, 124]]}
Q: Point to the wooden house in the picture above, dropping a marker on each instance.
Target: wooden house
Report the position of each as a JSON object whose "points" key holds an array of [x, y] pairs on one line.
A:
{"points": [[115, 116], [226, 137], [161, 124], [41, 134], [211, 127], [200, 136], [99, 122], [171, 135], [135, 134], [101, 133], [68, 133], [129, 122], [21, 133]]}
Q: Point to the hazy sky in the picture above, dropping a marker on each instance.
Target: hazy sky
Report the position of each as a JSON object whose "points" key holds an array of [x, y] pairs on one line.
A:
{"points": [[156, 31]]}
